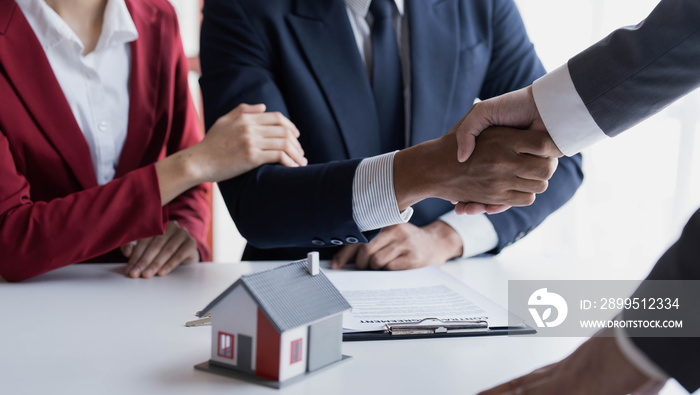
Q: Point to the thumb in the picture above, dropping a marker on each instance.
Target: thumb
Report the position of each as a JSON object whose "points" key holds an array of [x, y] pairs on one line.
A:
{"points": [[469, 128], [128, 249], [466, 142]]}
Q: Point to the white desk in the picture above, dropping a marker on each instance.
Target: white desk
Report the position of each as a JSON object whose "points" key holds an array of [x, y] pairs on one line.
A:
{"points": [[87, 329]]}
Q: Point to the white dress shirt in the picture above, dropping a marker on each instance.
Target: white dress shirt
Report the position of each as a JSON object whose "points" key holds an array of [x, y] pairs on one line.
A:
{"points": [[374, 198], [96, 85], [573, 128], [564, 115]]}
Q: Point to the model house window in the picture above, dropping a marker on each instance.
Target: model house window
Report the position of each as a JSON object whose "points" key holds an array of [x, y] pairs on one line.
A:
{"points": [[296, 351], [225, 345]]}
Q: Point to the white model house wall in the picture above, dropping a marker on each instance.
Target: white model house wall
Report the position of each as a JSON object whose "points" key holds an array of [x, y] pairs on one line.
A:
{"points": [[237, 314], [288, 369]]}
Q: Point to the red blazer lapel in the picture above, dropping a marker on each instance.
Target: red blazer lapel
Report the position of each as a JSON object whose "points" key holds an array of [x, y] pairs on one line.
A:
{"points": [[23, 60], [143, 89]]}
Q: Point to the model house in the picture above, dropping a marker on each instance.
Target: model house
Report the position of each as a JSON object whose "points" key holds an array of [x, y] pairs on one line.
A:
{"points": [[278, 324]]}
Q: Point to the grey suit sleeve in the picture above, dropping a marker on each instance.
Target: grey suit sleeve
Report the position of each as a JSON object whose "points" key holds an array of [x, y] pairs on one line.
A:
{"points": [[637, 71], [623, 79]]}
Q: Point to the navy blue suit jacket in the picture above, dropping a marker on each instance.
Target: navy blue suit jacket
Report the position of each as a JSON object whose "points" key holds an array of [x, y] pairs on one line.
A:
{"points": [[300, 57]]}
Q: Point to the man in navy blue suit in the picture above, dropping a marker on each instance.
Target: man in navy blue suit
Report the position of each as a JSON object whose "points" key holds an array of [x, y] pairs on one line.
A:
{"points": [[362, 79]]}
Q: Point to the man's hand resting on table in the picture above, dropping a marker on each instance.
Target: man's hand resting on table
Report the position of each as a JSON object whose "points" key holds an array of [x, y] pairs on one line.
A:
{"points": [[403, 246], [160, 255]]}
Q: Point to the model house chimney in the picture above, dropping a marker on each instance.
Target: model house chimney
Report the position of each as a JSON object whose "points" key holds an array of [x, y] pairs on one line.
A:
{"points": [[312, 259]]}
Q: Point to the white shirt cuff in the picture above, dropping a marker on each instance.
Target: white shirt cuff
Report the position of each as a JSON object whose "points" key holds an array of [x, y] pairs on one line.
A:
{"points": [[565, 116], [374, 203], [476, 231], [638, 358]]}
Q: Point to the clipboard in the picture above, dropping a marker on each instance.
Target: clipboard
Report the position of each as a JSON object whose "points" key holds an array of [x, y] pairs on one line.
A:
{"points": [[435, 328]]}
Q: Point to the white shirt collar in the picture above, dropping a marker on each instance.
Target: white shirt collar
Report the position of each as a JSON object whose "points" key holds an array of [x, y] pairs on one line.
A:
{"points": [[51, 29], [118, 27], [361, 7]]}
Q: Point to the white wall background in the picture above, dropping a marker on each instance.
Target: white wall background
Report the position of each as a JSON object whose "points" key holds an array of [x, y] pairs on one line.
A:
{"points": [[228, 243], [639, 188]]}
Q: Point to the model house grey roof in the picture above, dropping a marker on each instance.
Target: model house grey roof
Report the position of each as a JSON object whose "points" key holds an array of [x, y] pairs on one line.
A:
{"points": [[289, 296]]}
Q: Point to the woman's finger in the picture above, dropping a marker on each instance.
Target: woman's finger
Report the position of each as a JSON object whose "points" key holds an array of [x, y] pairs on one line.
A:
{"points": [[169, 249], [244, 108], [272, 118], [277, 137], [137, 252], [185, 255], [292, 150]]}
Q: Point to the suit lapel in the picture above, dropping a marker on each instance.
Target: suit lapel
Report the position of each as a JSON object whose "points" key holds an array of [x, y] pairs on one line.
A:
{"points": [[28, 70], [325, 35], [143, 87], [434, 39]]}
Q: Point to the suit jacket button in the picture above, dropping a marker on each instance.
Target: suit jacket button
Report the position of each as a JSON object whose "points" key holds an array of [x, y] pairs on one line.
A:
{"points": [[337, 242], [318, 242], [352, 240]]}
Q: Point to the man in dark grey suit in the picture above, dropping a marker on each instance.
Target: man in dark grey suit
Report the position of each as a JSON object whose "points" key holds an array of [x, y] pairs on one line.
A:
{"points": [[616, 83]]}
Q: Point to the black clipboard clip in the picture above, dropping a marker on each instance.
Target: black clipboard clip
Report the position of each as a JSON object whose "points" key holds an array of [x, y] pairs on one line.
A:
{"points": [[433, 326]]}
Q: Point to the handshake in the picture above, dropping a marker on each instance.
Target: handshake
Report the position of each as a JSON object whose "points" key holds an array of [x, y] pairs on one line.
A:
{"points": [[501, 168]]}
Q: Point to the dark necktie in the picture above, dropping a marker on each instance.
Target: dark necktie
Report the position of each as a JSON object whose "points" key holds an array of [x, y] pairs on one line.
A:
{"points": [[387, 83]]}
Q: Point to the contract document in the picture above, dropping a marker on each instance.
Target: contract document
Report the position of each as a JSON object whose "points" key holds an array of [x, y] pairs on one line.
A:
{"points": [[383, 297]]}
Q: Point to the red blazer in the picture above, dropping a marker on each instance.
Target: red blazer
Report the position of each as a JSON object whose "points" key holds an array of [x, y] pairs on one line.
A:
{"points": [[52, 211]]}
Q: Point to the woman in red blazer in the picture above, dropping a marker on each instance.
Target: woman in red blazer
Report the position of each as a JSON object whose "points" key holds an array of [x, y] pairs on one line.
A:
{"points": [[53, 211]]}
